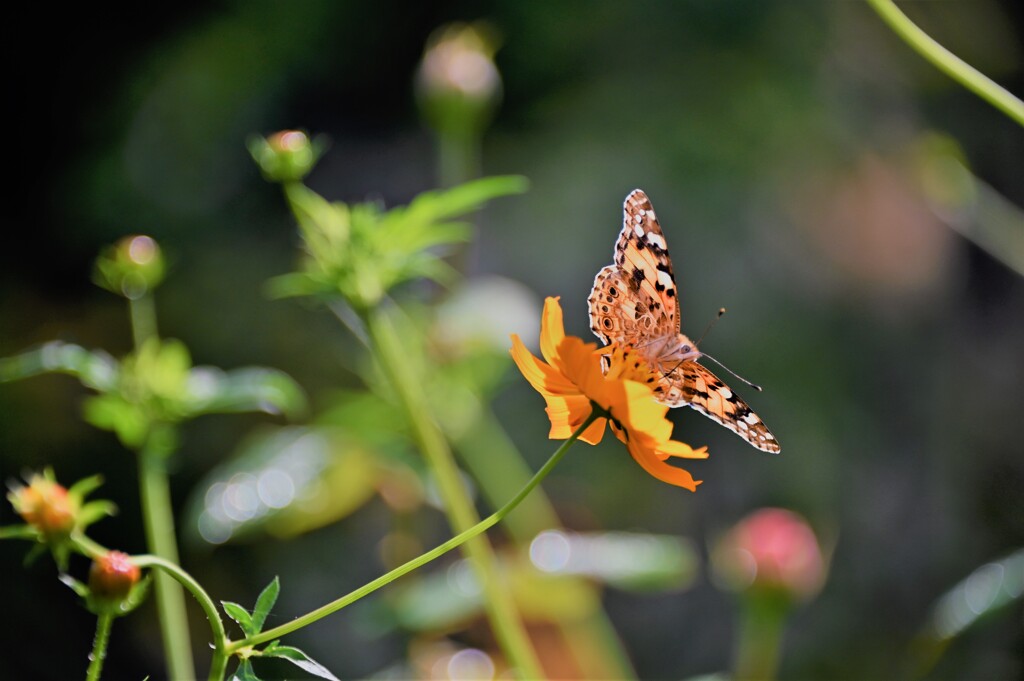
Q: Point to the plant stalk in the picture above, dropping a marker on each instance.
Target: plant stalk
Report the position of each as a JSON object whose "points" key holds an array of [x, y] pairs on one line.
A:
{"points": [[947, 62], [155, 494], [99, 646]]}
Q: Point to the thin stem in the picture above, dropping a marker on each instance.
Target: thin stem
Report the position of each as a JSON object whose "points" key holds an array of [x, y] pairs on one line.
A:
{"points": [[220, 639], [454, 542], [947, 62], [99, 646], [497, 598], [155, 494], [143, 316]]}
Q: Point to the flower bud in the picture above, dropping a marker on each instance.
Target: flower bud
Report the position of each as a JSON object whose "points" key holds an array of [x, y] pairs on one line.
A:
{"points": [[774, 552], [112, 576], [285, 156], [457, 85], [45, 505], [132, 267]]}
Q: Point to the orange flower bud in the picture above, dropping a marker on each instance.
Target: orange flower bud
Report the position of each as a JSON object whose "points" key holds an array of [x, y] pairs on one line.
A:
{"points": [[113, 575], [45, 505]]}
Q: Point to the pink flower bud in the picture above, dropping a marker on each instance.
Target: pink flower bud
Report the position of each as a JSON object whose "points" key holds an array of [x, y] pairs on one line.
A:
{"points": [[773, 550]]}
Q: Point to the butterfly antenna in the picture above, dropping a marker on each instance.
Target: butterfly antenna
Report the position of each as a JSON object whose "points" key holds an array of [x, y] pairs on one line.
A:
{"points": [[711, 324], [752, 385]]}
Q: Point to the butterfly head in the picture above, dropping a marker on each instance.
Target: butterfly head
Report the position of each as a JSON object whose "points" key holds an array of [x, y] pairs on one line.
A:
{"points": [[680, 349]]}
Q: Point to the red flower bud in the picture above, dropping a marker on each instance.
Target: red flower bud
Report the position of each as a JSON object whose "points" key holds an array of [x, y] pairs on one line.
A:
{"points": [[113, 575], [772, 550]]}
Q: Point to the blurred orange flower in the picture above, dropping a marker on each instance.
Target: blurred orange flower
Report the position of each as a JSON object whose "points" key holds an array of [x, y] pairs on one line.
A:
{"points": [[574, 385]]}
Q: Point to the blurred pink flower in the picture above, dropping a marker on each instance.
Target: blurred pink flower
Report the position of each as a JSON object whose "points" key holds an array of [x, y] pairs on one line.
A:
{"points": [[772, 550]]}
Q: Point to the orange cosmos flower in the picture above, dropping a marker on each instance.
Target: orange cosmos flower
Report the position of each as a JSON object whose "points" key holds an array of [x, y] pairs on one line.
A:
{"points": [[574, 385]]}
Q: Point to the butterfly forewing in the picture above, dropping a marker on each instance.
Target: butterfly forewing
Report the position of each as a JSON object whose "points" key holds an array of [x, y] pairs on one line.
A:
{"points": [[635, 302]]}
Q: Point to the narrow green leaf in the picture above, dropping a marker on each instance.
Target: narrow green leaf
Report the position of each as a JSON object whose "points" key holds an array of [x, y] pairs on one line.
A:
{"points": [[19, 532], [293, 285], [265, 603], [85, 486], [438, 205], [299, 659], [94, 511], [240, 615]]}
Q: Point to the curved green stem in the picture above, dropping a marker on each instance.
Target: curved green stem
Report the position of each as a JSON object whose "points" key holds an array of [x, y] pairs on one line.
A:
{"points": [[947, 62], [499, 605], [220, 639], [454, 542], [99, 646]]}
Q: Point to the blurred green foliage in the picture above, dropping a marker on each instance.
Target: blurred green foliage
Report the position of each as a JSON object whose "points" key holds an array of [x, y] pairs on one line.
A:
{"points": [[784, 146]]}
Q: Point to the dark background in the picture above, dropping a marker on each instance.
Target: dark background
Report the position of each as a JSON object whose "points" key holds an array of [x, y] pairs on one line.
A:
{"points": [[787, 148]]}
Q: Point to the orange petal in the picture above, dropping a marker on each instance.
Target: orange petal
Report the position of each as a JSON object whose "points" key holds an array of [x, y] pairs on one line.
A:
{"points": [[544, 379], [661, 470], [567, 414], [552, 330], [680, 449]]}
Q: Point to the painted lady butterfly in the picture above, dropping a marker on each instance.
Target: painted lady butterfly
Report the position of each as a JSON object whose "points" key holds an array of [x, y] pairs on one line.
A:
{"points": [[634, 302]]}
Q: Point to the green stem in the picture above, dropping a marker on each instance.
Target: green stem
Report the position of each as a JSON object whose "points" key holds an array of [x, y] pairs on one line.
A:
{"points": [[158, 517], [143, 316], [454, 542], [99, 646], [759, 643], [220, 638], [947, 62], [498, 602]]}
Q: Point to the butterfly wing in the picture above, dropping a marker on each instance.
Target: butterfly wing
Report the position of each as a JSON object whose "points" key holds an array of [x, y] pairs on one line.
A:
{"points": [[634, 300], [693, 385]]}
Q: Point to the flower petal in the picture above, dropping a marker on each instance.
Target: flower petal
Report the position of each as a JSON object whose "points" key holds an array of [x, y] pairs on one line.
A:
{"points": [[552, 330], [544, 379], [680, 449], [650, 462]]}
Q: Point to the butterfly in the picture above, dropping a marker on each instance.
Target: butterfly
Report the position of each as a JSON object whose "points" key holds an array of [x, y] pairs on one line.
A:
{"points": [[635, 302]]}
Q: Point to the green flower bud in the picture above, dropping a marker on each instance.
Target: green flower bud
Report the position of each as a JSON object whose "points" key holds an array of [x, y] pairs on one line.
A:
{"points": [[285, 156], [132, 267]]}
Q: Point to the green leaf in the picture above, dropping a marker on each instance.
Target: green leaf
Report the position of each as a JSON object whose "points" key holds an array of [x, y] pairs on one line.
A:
{"points": [[265, 603], [293, 285], [299, 659], [94, 511], [85, 486], [439, 205], [244, 672], [988, 589], [240, 615], [19, 532], [211, 390], [96, 370]]}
